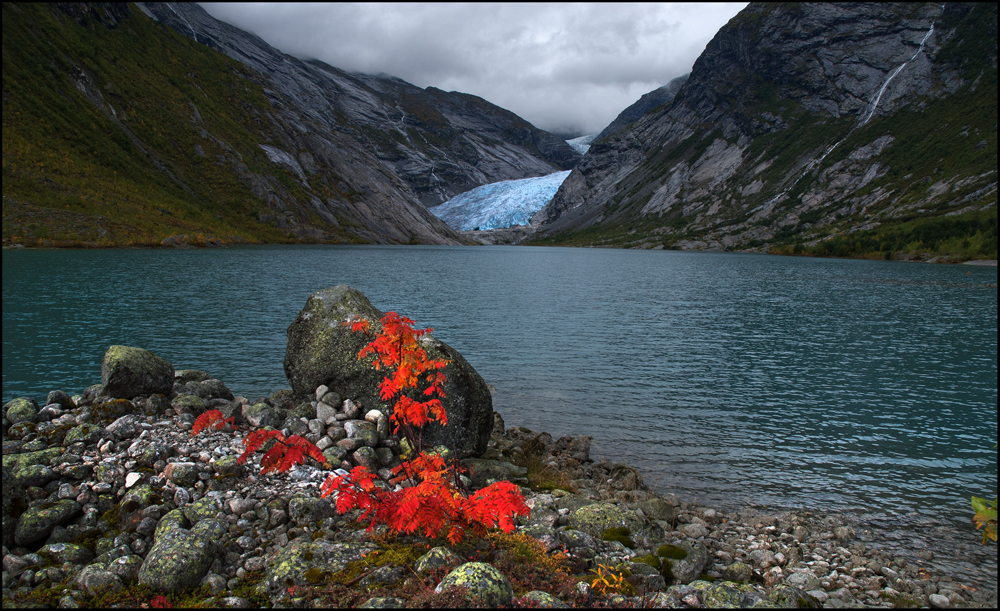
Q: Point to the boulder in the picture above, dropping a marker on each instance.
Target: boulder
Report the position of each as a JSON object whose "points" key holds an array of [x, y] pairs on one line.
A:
{"points": [[88, 434], [322, 351], [58, 553], [178, 561], [693, 565], [658, 509], [186, 403], [261, 415], [93, 581], [128, 372], [543, 600], [484, 581], [484, 472], [36, 523], [303, 562], [729, 595], [21, 409], [790, 597], [436, 558], [739, 572], [596, 518], [309, 510]]}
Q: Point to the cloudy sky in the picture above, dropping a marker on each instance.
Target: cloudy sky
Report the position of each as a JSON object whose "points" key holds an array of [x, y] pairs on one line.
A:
{"points": [[566, 68]]}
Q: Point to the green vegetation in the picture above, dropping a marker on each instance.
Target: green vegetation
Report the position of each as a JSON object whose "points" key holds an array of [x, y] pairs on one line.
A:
{"points": [[941, 161], [126, 135], [972, 235], [619, 534]]}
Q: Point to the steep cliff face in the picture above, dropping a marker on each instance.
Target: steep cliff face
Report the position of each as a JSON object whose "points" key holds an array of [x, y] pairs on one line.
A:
{"points": [[440, 144], [801, 122], [646, 103]]}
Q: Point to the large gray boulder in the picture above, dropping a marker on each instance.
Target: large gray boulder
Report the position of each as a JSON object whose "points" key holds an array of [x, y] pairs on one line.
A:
{"points": [[483, 581], [179, 560], [323, 351], [128, 372], [304, 562]]}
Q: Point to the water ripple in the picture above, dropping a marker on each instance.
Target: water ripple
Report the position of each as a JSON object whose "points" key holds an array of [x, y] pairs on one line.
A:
{"points": [[732, 378]]}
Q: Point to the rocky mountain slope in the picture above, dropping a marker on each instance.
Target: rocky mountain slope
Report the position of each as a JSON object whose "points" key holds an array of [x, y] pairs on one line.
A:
{"points": [[118, 130], [804, 126], [646, 103], [441, 144]]}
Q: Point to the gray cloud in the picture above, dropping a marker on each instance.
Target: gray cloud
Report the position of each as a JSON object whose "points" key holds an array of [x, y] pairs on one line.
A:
{"points": [[564, 68]]}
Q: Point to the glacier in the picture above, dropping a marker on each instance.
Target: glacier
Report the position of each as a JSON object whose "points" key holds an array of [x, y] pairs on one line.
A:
{"points": [[500, 204], [582, 144]]}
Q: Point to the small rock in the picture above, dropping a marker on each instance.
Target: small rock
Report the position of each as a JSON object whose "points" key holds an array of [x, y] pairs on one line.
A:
{"points": [[938, 601]]}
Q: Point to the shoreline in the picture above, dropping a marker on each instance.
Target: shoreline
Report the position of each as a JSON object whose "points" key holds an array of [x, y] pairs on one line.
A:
{"points": [[934, 259], [830, 556]]}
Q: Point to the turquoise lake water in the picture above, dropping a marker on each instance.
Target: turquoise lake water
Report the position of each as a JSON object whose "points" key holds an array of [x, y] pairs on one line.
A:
{"points": [[729, 378]]}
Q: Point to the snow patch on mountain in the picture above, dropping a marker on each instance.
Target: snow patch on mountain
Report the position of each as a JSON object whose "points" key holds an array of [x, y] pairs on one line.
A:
{"points": [[582, 144], [502, 204]]}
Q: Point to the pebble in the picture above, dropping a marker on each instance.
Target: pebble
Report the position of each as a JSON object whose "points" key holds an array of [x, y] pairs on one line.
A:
{"points": [[807, 549]]}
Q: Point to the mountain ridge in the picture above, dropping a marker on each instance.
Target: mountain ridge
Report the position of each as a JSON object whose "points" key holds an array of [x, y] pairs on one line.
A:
{"points": [[120, 131], [767, 145]]}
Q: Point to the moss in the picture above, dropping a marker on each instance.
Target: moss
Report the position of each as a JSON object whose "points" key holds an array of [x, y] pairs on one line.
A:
{"points": [[903, 601], [619, 534], [651, 560], [314, 575], [87, 540], [671, 551], [706, 577], [112, 516]]}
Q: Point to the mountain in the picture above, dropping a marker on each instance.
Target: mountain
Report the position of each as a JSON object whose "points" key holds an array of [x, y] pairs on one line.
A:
{"points": [[441, 144], [501, 204], [846, 129], [646, 103], [118, 130]]}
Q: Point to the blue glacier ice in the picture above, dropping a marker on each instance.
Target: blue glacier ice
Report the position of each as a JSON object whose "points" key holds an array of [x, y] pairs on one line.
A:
{"points": [[500, 204], [582, 144]]}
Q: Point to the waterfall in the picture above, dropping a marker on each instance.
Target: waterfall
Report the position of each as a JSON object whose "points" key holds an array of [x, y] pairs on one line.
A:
{"points": [[874, 103], [186, 22]]}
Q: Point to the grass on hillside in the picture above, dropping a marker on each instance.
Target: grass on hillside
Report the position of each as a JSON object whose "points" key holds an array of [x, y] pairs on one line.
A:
{"points": [[125, 136]]}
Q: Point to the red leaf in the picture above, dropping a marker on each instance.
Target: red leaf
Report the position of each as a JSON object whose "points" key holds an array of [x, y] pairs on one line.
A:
{"points": [[211, 418]]}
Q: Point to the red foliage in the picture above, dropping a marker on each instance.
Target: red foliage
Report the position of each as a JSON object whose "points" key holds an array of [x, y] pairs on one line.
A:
{"points": [[433, 504], [211, 418], [160, 601], [283, 455], [397, 348]]}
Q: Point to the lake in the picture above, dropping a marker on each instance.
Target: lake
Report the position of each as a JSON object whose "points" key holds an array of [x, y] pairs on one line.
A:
{"points": [[728, 378]]}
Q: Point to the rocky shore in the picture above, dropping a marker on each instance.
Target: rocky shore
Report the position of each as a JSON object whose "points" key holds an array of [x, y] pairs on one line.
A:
{"points": [[93, 503], [109, 500]]}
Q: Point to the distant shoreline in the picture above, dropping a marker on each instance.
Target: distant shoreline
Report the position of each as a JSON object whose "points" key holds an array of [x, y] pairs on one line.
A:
{"points": [[938, 259]]}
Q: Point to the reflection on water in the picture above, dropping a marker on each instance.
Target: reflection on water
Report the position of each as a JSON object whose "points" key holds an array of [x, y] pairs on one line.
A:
{"points": [[732, 378]]}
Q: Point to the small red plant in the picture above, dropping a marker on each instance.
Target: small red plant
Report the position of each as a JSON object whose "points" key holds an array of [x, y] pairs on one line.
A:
{"points": [[213, 418], [160, 602], [433, 502], [283, 454]]}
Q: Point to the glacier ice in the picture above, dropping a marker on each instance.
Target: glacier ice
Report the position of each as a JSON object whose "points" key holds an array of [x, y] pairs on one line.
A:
{"points": [[582, 144], [500, 204]]}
